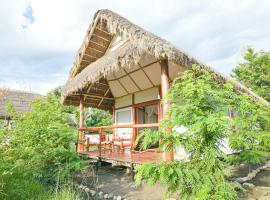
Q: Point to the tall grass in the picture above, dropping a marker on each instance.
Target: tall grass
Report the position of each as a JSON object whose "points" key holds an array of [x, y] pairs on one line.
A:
{"points": [[67, 193]]}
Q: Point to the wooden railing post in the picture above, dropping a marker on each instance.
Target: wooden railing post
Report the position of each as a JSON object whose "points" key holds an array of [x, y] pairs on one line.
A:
{"points": [[165, 85], [81, 125]]}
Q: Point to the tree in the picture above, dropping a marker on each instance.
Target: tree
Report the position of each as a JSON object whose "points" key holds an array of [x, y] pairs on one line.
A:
{"points": [[97, 117], [38, 151], [254, 72], [201, 104]]}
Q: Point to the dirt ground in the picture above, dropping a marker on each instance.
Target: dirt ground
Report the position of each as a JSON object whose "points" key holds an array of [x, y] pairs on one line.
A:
{"points": [[118, 181], [261, 183], [261, 191]]}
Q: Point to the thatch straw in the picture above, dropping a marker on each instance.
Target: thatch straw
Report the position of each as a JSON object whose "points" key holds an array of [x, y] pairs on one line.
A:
{"points": [[20, 100], [139, 41]]}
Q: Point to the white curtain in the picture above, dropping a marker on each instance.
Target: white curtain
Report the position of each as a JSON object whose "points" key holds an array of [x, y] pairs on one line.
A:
{"points": [[151, 114]]}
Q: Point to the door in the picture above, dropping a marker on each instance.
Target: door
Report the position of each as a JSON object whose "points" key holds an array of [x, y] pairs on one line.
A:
{"points": [[147, 114]]}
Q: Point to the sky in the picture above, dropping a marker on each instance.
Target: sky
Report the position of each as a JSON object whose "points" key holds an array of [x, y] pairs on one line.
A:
{"points": [[39, 39]]}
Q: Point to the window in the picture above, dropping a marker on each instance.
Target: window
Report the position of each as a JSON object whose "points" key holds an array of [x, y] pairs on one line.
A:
{"points": [[123, 116]]}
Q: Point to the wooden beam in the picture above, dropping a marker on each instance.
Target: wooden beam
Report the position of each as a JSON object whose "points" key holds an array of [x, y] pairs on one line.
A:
{"points": [[89, 50], [97, 46], [85, 63], [142, 67], [134, 121], [90, 57], [100, 41], [81, 112], [121, 83], [101, 37], [146, 75], [88, 90], [103, 33], [138, 87], [104, 95], [95, 96], [81, 124], [93, 105], [151, 125], [103, 84], [165, 84]]}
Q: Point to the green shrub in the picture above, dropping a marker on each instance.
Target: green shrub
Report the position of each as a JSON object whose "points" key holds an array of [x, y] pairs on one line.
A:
{"points": [[201, 104], [39, 151]]}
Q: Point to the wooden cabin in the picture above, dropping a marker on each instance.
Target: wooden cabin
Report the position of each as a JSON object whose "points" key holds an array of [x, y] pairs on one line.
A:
{"points": [[20, 100], [122, 68]]}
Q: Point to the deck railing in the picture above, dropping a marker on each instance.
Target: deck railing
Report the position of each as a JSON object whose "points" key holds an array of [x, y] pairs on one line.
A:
{"points": [[104, 131], [120, 126]]}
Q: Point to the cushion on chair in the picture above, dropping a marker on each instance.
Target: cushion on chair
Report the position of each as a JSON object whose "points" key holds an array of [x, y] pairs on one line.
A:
{"points": [[125, 143], [93, 139]]}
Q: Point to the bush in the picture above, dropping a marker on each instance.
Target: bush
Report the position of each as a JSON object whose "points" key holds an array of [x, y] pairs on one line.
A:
{"points": [[39, 151], [201, 104]]}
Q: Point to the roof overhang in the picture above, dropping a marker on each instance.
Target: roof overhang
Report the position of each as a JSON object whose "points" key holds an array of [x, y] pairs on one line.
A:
{"points": [[89, 77]]}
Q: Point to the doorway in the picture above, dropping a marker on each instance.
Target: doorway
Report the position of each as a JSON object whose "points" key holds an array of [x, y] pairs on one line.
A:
{"points": [[146, 113]]}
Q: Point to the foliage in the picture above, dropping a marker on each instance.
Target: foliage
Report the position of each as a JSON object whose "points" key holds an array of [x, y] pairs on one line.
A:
{"points": [[254, 72], [251, 131], [38, 151], [97, 117], [17, 186], [201, 105], [68, 109], [66, 193]]}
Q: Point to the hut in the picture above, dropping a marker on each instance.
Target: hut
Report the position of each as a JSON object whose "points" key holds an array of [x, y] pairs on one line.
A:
{"points": [[122, 68], [20, 100]]}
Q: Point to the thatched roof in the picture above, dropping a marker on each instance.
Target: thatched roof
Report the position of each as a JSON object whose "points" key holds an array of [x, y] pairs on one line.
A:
{"points": [[21, 101], [94, 63]]}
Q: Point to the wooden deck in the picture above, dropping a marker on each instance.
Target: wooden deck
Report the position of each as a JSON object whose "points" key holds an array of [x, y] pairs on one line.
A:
{"points": [[124, 158]]}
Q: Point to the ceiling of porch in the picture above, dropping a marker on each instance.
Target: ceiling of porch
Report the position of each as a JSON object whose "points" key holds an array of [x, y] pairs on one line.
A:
{"points": [[138, 77]]}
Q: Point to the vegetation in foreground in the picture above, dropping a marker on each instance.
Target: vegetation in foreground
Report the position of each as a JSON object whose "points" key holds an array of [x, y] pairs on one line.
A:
{"points": [[38, 158], [201, 104], [38, 152]]}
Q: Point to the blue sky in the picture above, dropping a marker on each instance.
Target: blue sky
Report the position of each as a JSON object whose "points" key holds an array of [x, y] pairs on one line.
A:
{"points": [[39, 39]]}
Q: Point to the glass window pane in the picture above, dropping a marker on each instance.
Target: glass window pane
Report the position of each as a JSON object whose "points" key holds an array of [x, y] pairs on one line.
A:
{"points": [[123, 117]]}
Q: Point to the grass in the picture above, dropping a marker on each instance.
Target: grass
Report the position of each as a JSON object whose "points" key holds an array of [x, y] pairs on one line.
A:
{"points": [[67, 193]]}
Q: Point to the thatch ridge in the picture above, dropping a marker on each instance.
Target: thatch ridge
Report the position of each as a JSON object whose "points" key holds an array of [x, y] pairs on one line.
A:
{"points": [[141, 41], [21, 101]]}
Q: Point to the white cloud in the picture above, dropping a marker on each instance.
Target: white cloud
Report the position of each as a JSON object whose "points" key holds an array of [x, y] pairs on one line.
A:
{"points": [[40, 56]]}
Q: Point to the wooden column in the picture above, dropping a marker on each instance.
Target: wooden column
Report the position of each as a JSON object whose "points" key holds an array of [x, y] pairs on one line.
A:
{"points": [[165, 85], [134, 130], [81, 124]]}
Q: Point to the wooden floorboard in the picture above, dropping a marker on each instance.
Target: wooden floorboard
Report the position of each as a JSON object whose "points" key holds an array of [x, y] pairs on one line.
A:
{"points": [[125, 157]]}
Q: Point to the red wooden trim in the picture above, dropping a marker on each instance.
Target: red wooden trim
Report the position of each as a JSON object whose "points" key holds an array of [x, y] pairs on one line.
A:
{"points": [[120, 126], [81, 112], [81, 125], [165, 84], [114, 120], [134, 121], [147, 103], [151, 102]]}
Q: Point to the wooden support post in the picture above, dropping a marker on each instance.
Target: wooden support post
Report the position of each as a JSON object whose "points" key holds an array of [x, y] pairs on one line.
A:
{"points": [[165, 85], [81, 125], [132, 171], [134, 130]]}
